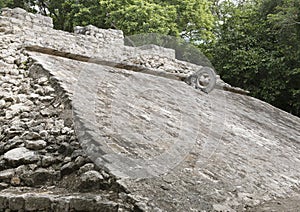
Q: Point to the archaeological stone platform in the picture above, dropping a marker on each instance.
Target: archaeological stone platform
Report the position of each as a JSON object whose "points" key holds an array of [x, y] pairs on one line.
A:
{"points": [[163, 145]]}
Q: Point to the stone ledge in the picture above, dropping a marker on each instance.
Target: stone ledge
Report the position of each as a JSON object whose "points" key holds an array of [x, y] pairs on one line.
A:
{"points": [[47, 200]]}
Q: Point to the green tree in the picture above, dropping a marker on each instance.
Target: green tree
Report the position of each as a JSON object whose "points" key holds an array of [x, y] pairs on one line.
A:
{"points": [[254, 52], [138, 16], [14, 3], [194, 19]]}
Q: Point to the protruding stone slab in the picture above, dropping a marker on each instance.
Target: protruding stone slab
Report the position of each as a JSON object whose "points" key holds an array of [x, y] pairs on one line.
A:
{"points": [[20, 155]]}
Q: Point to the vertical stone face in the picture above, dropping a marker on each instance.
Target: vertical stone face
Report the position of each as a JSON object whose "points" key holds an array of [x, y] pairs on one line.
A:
{"points": [[16, 203], [28, 19], [27, 29], [37, 30], [108, 35]]}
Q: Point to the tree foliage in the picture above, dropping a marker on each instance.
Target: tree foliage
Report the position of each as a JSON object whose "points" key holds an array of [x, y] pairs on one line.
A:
{"points": [[137, 16], [258, 49]]}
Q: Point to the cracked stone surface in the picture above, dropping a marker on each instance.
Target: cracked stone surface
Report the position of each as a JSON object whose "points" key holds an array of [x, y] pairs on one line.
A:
{"points": [[236, 152]]}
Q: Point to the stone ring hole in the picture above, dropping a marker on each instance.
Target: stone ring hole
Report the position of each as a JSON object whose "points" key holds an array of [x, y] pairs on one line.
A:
{"points": [[205, 79]]}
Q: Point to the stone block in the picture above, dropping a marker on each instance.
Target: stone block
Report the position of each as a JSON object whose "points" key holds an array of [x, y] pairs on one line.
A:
{"points": [[60, 205], [16, 203], [81, 204], [3, 202], [37, 203]]}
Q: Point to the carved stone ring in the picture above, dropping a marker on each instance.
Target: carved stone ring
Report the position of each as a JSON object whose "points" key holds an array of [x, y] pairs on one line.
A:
{"points": [[203, 79]]}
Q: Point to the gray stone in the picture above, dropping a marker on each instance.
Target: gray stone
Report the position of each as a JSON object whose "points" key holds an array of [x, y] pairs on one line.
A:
{"points": [[92, 205], [43, 81], [31, 136], [8, 97], [60, 205], [46, 98], [86, 167], [6, 175], [9, 114], [40, 176], [24, 115], [16, 203], [68, 168], [48, 90], [2, 103], [35, 144], [3, 186], [22, 98], [80, 161], [14, 72], [65, 148], [67, 159], [20, 155], [79, 204], [90, 180], [21, 169], [66, 130], [45, 112], [43, 134], [221, 208], [37, 203], [34, 96], [3, 202], [47, 161]]}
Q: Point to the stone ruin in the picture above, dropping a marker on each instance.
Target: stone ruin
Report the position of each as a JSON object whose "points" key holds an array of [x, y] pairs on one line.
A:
{"points": [[222, 151]]}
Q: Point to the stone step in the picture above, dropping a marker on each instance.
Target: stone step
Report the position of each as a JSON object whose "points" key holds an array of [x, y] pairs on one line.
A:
{"points": [[28, 199]]}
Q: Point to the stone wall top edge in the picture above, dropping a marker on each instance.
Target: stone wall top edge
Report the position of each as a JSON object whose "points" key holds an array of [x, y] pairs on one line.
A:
{"points": [[26, 17]]}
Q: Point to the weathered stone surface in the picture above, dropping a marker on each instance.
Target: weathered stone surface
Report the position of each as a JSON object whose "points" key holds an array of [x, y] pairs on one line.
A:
{"points": [[38, 200], [35, 203], [20, 155], [31, 135], [16, 203], [220, 134], [68, 168], [40, 176], [187, 151], [35, 144], [3, 202], [86, 167], [3, 186], [2, 103], [6, 175], [91, 180]]}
